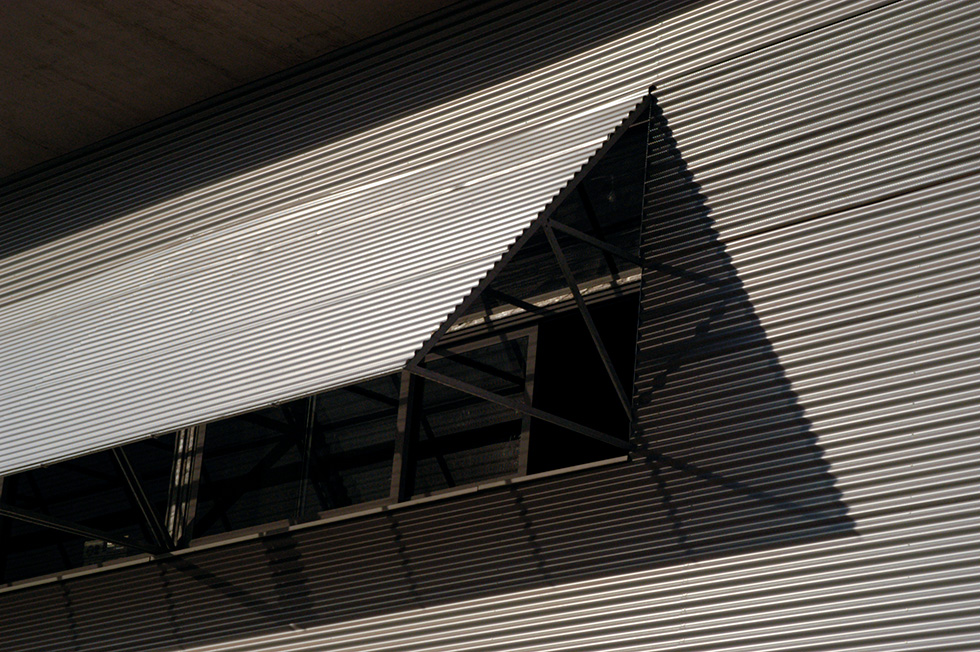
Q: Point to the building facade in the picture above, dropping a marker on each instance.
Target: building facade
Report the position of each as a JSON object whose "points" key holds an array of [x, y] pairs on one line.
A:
{"points": [[585, 326]]}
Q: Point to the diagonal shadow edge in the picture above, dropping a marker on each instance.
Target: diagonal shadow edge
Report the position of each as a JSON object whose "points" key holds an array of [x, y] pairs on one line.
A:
{"points": [[717, 421]]}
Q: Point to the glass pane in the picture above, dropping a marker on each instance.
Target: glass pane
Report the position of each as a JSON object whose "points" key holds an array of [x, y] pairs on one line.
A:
{"points": [[464, 439]]}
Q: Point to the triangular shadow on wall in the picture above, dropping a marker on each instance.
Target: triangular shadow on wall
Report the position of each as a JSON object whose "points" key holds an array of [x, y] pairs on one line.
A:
{"points": [[722, 457]]}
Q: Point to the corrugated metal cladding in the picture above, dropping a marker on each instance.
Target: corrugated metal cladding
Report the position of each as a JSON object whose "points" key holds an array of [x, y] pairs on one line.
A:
{"points": [[814, 296], [169, 283], [313, 231], [551, 563], [807, 471]]}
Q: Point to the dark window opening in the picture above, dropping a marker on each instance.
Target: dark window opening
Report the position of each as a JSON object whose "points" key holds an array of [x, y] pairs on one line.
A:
{"points": [[462, 439], [329, 451], [571, 382], [89, 492], [535, 376]]}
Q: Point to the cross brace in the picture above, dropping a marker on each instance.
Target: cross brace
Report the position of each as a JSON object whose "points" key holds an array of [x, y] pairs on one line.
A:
{"points": [[54, 523], [518, 406]]}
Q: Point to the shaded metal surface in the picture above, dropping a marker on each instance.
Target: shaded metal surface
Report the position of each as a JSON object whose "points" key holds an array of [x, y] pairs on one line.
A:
{"points": [[813, 300], [539, 562], [838, 118]]}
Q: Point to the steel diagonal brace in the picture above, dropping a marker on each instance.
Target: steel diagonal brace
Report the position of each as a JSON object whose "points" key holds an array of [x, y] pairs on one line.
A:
{"points": [[597, 243], [587, 316], [517, 406], [563, 194], [152, 523], [54, 523]]}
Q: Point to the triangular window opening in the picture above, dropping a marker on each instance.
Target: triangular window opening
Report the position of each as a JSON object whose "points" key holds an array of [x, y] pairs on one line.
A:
{"points": [[571, 292], [530, 375]]}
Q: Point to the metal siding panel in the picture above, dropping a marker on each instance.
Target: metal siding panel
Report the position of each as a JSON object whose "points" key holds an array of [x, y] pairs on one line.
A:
{"points": [[816, 287], [842, 333], [834, 119], [210, 266], [710, 34], [505, 567], [303, 274]]}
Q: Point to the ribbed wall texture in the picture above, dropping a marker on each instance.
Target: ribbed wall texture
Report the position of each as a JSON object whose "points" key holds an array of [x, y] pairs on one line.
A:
{"points": [[170, 283], [314, 231], [405, 569], [814, 293], [807, 471]]}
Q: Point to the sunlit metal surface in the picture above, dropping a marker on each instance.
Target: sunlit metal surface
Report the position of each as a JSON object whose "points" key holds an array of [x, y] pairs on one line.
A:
{"points": [[319, 269]]}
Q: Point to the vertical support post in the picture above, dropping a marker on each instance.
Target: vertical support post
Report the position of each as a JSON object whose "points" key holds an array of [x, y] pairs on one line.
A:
{"points": [[185, 478], [403, 466], [4, 531], [525, 444], [304, 481]]}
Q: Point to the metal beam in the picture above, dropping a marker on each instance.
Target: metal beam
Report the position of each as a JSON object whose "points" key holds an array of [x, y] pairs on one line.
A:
{"points": [[587, 316], [518, 406], [310, 438], [426, 429], [306, 455], [374, 396], [151, 522], [403, 464], [518, 303], [185, 480], [54, 523], [597, 243], [42, 504], [476, 365]]}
